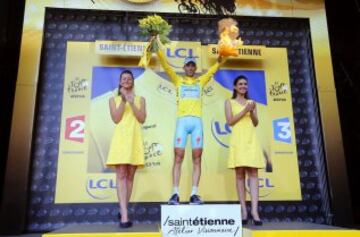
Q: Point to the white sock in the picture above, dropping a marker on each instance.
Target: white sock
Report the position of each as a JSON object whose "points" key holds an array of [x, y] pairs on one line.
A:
{"points": [[194, 190], [175, 190]]}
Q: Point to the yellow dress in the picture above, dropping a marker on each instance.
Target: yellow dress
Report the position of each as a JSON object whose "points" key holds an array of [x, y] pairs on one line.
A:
{"points": [[127, 143], [245, 149]]}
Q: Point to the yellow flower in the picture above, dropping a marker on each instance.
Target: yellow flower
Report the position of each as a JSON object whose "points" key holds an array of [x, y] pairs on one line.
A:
{"points": [[155, 25]]}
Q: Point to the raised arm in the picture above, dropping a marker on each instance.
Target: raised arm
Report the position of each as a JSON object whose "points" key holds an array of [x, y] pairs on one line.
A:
{"points": [[116, 112], [205, 78], [168, 69], [233, 119]]}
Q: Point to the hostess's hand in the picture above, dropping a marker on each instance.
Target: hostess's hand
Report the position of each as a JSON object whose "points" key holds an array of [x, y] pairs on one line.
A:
{"points": [[252, 105], [130, 98], [123, 94], [249, 106]]}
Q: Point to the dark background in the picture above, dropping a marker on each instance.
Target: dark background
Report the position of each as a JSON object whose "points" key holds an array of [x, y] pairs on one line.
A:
{"points": [[343, 21]]}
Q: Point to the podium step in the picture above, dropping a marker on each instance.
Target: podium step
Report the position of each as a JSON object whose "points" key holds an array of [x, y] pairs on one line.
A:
{"points": [[297, 229], [280, 229], [106, 230]]}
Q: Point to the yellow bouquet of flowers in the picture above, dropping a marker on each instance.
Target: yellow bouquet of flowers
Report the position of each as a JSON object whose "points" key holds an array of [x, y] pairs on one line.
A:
{"points": [[155, 27], [228, 33]]}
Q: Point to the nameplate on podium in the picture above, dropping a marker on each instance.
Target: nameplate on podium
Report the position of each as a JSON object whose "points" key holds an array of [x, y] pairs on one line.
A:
{"points": [[212, 220]]}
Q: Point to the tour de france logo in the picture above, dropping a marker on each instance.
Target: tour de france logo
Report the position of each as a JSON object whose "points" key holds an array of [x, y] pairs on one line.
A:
{"points": [[132, 1], [140, 1], [224, 7]]}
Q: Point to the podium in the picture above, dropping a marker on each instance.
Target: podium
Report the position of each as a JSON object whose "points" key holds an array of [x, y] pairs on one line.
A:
{"points": [[220, 220], [279, 229], [107, 230]]}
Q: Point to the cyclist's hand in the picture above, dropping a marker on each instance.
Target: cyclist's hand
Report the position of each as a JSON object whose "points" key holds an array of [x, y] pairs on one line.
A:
{"points": [[221, 59]]}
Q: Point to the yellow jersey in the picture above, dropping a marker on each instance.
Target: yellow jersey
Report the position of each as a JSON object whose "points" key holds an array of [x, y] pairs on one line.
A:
{"points": [[189, 90]]}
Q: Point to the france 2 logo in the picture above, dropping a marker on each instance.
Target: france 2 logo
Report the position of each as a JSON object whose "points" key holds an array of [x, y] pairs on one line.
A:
{"points": [[75, 128], [282, 130]]}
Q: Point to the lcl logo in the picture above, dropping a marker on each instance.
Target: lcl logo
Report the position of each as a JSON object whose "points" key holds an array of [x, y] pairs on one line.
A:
{"points": [[180, 53], [220, 131]]}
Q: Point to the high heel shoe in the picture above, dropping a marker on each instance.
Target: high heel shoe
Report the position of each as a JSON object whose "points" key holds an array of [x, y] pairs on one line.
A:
{"points": [[256, 222], [126, 224], [244, 221]]}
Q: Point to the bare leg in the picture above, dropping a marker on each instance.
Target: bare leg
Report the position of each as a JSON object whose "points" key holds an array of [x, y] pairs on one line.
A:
{"points": [[196, 166], [240, 186], [130, 180], [121, 189], [254, 192], [179, 157]]}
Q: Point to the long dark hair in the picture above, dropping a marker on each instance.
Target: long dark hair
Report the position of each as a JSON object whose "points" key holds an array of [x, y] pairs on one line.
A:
{"points": [[122, 73], [241, 77]]}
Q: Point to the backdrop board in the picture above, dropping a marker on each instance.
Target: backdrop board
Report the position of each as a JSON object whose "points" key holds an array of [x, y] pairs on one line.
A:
{"points": [[69, 181]]}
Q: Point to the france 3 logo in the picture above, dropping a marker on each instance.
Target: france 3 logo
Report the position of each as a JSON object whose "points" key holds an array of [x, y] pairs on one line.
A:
{"points": [[75, 128], [282, 130]]}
